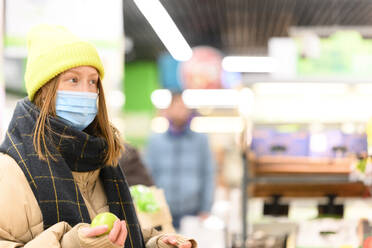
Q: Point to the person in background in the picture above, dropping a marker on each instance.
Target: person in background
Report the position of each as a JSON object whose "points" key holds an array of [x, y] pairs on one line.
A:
{"points": [[133, 167], [58, 162], [180, 162]]}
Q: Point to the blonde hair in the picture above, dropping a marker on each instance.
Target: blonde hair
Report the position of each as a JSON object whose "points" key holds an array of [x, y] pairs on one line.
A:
{"points": [[45, 99]]}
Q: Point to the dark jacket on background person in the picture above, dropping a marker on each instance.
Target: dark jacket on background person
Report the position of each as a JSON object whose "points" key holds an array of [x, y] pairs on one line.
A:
{"points": [[133, 167]]}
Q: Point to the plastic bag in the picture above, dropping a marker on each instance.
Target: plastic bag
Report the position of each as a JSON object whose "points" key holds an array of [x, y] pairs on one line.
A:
{"points": [[144, 198]]}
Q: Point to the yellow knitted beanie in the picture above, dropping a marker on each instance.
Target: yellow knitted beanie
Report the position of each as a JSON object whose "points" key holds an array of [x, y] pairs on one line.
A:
{"points": [[53, 50]]}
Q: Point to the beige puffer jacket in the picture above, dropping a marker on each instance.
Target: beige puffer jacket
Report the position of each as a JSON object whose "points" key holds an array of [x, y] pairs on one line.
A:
{"points": [[21, 223]]}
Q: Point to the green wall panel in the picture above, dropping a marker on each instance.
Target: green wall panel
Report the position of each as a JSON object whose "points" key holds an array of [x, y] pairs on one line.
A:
{"points": [[140, 80]]}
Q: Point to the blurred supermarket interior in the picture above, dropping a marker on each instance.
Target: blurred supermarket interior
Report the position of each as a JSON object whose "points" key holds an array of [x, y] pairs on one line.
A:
{"points": [[282, 89]]}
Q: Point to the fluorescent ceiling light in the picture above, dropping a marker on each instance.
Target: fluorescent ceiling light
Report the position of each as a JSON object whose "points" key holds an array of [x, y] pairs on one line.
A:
{"points": [[210, 98], [249, 64], [161, 98], [217, 124], [300, 88], [218, 98], [165, 28], [246, 101], [203, 124], [159, 124], [116, 98]]}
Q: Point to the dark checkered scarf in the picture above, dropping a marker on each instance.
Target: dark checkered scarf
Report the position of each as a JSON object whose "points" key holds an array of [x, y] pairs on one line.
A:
{"points": [[52, 182]]}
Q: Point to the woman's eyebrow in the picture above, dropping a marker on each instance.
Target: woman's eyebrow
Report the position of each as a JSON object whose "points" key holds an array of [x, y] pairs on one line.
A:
{"points": [[95, 74], [70, 72], [78, 72]]}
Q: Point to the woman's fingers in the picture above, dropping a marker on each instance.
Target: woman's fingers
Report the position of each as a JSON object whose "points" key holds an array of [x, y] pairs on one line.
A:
{"points": [[113, 235], [170, 239], [119, 232], [94, 231], [123, 234], [186, 245]]}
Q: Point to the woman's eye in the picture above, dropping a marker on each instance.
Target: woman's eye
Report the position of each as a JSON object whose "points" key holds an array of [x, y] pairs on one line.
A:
{"points": [[73, 80], [93, 81]]}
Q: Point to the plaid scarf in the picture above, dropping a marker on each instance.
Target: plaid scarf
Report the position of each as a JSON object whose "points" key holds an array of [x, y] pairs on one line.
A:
{"points": [[52, 182]]}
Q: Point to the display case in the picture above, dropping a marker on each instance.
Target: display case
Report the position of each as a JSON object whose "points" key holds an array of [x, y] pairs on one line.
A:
{"points": [[273, 177]]}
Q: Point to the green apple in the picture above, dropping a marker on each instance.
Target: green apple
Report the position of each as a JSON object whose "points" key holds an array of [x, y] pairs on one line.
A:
{"points": [[105, 218]]}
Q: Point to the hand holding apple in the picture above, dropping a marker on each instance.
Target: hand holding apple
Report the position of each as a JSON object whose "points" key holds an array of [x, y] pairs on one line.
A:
{"points": [[105, 218], [108, 223]]}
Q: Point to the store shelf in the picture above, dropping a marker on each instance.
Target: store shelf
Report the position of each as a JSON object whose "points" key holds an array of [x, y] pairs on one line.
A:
{"points": [[355, 189], [300, 165], [297, 177], [302, 177]]}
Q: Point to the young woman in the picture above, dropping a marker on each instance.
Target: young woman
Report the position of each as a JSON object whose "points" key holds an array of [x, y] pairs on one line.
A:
{"points": [[58, 162]]}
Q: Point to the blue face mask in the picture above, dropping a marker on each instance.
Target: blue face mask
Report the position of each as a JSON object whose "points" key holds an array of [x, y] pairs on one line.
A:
{"points": [[77, 109]]}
